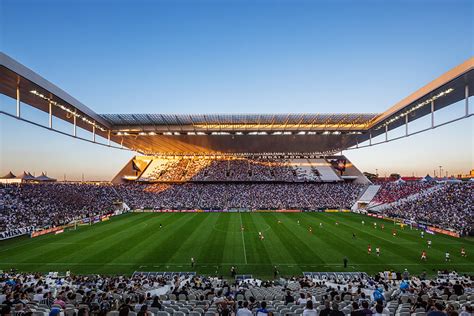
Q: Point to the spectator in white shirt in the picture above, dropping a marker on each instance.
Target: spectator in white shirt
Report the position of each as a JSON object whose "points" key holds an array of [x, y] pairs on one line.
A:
{"points": [[309, 310], [302, 299], [244, 311]]}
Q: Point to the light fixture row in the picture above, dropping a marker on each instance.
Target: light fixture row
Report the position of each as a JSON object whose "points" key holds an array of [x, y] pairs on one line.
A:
{"points": [[65, 108], [415, 107]]}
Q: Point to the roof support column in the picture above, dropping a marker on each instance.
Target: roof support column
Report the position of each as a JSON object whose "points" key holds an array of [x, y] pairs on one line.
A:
{"points": [[466, 94], [432, 114], [406, 125], [18, 113], [108, 138], [370, 138], [74, 131], [93, 133], [386, 133], [50, 115]]}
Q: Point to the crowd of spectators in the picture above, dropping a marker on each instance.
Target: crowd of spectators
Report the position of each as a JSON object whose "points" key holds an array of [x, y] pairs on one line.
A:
{"points": [[223, 169], [356, 295], [249, 196], [46, 205], [43, 205], [449, 206], [393, 191]]}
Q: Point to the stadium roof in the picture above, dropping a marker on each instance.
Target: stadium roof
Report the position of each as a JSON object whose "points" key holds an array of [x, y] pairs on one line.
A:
{"points": [[235, 122], [231, 133]]}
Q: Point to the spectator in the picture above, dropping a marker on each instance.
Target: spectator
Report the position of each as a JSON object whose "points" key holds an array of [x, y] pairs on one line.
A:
{"points": [[244, 311], [309, 310]]}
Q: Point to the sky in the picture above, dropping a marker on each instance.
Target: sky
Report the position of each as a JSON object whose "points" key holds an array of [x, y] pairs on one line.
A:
{"points": [[235, 57]]}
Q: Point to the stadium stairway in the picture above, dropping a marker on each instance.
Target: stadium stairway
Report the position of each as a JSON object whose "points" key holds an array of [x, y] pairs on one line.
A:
{"points": [[326, 171], [366, 197], [380, 207]]}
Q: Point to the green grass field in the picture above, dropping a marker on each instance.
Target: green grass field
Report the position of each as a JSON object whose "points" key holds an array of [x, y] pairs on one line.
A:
{"points": [[135, 242]]}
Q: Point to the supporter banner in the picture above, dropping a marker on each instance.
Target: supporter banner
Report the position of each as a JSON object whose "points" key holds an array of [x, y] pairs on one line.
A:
{"points": [[170, 211], [443, 231], [338, 211], [378, 216], [85, 221], [16, 232], [45, 231]]}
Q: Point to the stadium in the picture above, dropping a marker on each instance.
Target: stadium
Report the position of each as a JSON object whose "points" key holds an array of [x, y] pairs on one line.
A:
{"points": [[235, 214]]}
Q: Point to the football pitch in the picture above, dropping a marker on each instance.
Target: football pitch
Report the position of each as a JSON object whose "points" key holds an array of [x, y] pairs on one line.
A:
{"points": [[216, 241]]}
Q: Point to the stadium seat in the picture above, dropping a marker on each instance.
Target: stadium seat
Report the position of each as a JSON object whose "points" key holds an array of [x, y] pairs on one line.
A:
{"points": [[69, 312], [295, 307], [169, 310]]}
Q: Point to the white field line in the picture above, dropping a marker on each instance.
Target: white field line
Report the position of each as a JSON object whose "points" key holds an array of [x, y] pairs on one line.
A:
{"points": [[243, 239]]}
